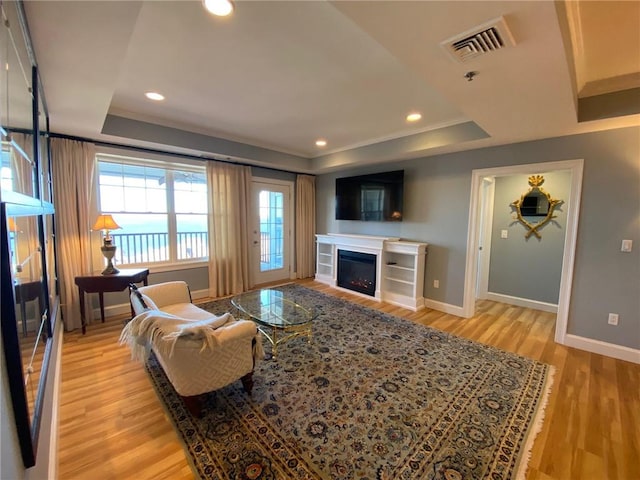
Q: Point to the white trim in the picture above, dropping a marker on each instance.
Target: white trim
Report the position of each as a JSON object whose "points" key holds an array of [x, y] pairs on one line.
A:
{"points": [[412, 303], [568, 259], [603, 348], [471, 267], [55, 410], [198, 294], [488, 191], [444, 307], [522, 302], [170, 267], [160, 267]]}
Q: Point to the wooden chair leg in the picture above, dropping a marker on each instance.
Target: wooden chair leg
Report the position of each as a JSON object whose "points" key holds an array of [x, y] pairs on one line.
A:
{"points": [[247, 382], [194, 405]]}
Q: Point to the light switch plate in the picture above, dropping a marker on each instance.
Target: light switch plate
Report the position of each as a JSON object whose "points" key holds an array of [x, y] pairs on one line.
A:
{"points": [[627, 245]]}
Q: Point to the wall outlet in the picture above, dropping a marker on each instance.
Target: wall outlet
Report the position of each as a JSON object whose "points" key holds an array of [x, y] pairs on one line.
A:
{"points": [[436, 284], [504, 234], [613, 319]]}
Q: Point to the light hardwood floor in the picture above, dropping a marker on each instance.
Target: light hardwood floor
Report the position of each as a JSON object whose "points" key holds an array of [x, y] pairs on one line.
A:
{"points": [[112, 425]]}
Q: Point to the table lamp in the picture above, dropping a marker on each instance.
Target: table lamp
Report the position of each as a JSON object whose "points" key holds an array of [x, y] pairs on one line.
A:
{"points": [[107, 223]]}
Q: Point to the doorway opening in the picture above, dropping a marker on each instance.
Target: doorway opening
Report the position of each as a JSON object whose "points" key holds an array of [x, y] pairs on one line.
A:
{"points": [[478, 225]]}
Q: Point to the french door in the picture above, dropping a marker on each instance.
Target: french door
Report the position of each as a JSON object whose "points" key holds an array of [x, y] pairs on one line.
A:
{"points": [[271, 231]]}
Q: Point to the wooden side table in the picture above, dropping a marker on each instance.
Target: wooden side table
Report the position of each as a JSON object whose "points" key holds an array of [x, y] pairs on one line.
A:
{"points": [[26, 292], [108, 283]]}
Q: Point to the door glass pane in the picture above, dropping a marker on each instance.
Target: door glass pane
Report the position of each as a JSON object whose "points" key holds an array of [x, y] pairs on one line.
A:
{"points": [[271, 230]]}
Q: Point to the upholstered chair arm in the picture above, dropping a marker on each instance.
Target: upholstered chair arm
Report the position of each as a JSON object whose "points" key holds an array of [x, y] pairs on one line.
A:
{"points": [[167, 293], [236, 330]]}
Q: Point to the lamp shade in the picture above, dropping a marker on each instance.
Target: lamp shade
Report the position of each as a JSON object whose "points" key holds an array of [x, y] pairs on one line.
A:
{"points": [[105, 222], [12, 225]]}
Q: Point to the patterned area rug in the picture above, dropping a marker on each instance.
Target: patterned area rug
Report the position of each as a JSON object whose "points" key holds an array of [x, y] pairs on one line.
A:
{"points": [[373, 397]]}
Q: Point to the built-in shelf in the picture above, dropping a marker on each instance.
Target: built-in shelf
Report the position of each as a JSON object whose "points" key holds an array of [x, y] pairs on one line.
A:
{"points": [[324, 260], [399, 265]]}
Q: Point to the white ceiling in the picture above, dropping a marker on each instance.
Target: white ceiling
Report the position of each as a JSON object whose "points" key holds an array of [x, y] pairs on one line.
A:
{"points": [[265, 83]]}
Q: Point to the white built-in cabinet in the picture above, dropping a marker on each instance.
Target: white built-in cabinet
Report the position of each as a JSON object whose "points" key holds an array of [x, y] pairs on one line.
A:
{"points": [[403, 266], [399, 265], [324, 260]]}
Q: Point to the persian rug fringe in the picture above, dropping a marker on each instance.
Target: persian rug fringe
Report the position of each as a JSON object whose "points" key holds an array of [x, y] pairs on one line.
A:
{"points": [[536, 426]]}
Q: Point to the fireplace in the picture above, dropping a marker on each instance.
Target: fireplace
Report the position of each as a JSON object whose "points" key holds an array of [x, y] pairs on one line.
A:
{"points": [[357, 271]]}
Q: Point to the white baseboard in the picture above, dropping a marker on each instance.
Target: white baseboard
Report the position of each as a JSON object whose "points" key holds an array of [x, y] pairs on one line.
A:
{"points": [[55, 413], [123, 308], [198, 294], [444, 307], [603, 348], [522, 302]]}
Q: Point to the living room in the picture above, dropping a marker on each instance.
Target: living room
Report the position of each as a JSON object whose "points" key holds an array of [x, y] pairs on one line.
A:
{"points": [[441, 166]]}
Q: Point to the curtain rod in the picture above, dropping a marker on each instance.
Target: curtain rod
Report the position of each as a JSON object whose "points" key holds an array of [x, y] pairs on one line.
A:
{"points": [[102, 143]]}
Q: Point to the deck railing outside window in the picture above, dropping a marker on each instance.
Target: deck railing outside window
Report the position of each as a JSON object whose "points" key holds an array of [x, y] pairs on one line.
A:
{"points": [[135, 248]]}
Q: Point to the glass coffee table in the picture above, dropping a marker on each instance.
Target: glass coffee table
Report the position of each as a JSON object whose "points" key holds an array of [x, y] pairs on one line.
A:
{"points": [[278, 315]]}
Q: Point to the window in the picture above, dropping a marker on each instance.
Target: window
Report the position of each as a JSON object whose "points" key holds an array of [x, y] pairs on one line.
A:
{"points": [[160, 207]]}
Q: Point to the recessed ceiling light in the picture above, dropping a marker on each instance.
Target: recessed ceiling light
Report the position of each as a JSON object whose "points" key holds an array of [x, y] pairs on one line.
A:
{"points": [[221, 8], [154, 96], [321, 142], [414, 117]]}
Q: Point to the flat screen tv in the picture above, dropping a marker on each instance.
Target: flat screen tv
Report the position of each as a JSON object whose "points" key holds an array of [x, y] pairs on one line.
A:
{"points": [[375, 197]]}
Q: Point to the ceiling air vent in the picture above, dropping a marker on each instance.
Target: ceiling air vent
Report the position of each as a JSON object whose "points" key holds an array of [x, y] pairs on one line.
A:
{"points": [[491, 36]]}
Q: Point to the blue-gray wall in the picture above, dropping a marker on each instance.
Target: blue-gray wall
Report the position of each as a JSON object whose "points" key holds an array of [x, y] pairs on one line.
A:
{"points": [[437, 195], [528, 268]]}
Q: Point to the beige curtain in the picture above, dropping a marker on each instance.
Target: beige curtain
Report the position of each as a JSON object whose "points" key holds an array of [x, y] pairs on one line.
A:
{"points": [[305, 226], [229, 189], [73, 165]]}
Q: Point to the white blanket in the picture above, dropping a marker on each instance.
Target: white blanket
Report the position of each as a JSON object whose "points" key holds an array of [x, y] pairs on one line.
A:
{"points": [[162, 330]]}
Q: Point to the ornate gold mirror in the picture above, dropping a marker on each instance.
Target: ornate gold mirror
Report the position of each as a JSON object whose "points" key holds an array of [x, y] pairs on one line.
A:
{"points": [[535, 203]]}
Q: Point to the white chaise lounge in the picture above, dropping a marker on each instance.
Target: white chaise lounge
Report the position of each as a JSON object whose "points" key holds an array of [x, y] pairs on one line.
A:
{"points": [[199, 351]]}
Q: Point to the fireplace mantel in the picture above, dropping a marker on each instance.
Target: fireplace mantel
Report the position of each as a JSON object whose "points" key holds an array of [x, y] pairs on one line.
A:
{"points": [[399, 265], [357, 241]]}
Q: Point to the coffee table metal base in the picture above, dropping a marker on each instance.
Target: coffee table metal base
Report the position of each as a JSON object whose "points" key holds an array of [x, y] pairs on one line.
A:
{"points": [[278, 315], [278, 335]]}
